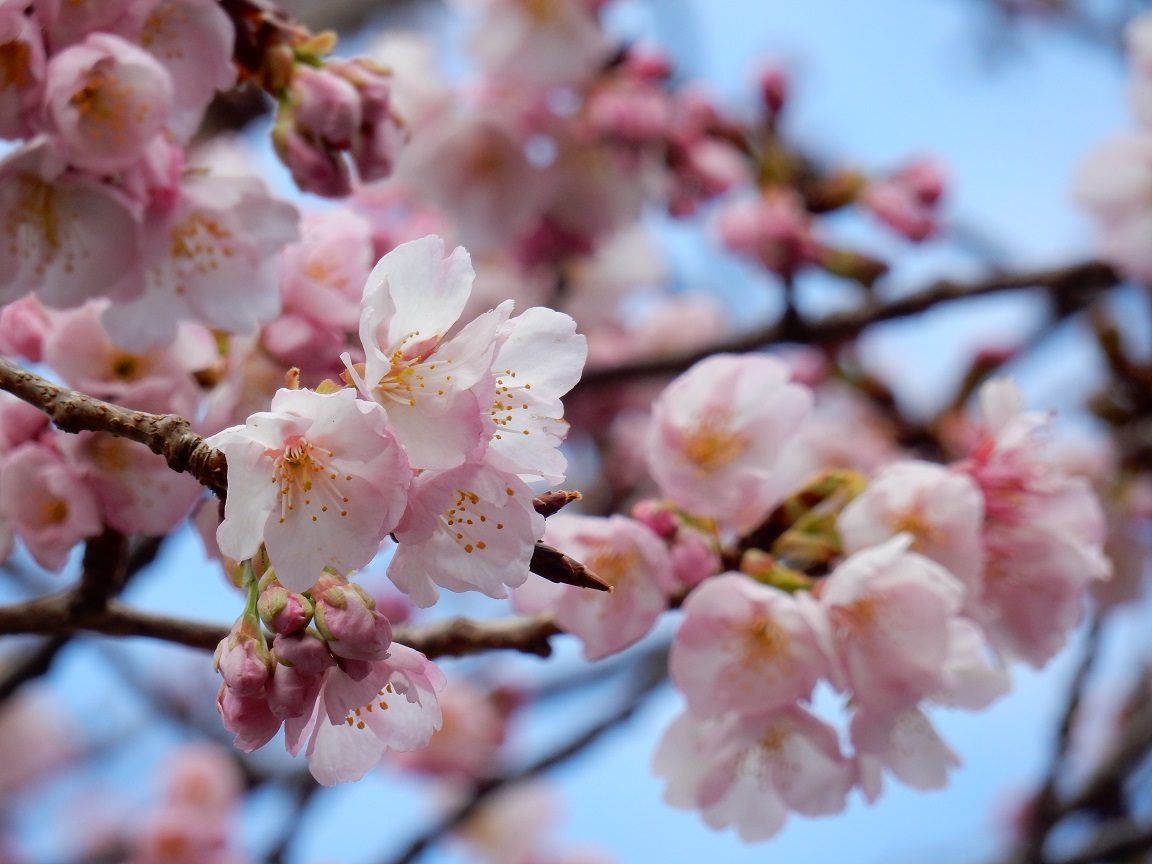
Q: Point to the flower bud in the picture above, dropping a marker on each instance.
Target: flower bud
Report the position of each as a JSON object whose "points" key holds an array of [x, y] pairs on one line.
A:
{"points": [[243, 660], [346, 617], [248, 716], [284, 611]]}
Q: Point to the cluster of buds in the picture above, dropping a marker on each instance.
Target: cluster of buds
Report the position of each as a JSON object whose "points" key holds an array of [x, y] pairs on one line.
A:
{"points": [[308, 661], [332, 109]]}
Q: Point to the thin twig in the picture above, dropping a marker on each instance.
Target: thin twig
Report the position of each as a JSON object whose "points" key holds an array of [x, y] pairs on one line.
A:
{"points": [[1090, 277]]}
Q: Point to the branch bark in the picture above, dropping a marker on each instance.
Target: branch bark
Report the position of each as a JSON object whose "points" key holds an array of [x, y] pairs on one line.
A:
{"points": [[1065, 284]]}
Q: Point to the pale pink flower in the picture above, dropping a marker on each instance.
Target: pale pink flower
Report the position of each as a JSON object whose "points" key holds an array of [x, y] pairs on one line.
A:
{"points": [[772, 228], [21, 70], [105, 100], [322, 279], [213, 258], [891, 613], [717, 432], [473, 169], [1044, 532], [47, 505], [159, 379], [942, 510], [23, 325], [749, 771], [193, 40], [319, 480], [19, 422], [38, 734], [63, 235], [623, 553], [908, 200], [354, 723], [413, 297], [539, 359], [906, 744], [469, 528], [138, 492], [745, 647], [538, 43]]}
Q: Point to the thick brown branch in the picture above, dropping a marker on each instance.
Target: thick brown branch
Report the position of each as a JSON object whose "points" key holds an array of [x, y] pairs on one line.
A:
{"points": [[168, 435], [58, 615], [1064, 283]]}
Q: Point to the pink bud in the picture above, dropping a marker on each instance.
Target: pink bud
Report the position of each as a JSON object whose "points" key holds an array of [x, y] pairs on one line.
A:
{"points": [[23, 324], [325, 106], [773, 85], [284, 611], [243, 660], [248, 716], [659, 519], [314, 168], [346, 618], [305, 652], [293, 692]]}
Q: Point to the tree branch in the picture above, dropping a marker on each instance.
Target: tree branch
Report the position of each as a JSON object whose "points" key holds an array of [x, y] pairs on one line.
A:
{"points": [[59, 615], [1064, 283]]}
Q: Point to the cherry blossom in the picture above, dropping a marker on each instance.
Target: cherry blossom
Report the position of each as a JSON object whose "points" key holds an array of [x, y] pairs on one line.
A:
{"points": [[749, 771], [319, 480], [469, 528], [422, 376], [623, 553], [355, 722], [745, 647], [717, 432]]}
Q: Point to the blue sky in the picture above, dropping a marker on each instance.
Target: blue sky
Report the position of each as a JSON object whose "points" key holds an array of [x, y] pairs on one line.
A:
{"points": [[876, 82]]}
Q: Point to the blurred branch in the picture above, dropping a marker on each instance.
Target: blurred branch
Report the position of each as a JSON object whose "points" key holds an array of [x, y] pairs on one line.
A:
{"points": [[649, 677], [58, 615], [1067, 284], [109, 562]]}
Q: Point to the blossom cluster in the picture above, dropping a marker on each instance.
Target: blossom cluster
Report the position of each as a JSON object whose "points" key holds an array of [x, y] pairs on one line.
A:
{"points": [[432, 445], [918, 585]]}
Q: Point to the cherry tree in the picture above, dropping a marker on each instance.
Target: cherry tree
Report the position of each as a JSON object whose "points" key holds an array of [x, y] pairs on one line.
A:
{"points": [[430, 397]]}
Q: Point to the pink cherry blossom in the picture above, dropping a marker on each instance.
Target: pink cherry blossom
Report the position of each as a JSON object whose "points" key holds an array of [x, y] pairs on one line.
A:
{"points": [[22, 58], [355, 722], [890, 612], [159, 379], [193, 41], [749, 771], [623, 553], [413, 297], [538, 44], [1114, 183], [319, 480], [212, 259], [137, 490], [773, 229], [943, 510], [905, 744], [470, 528], [1044, 532], [106, 99], [63, 235], [539, 359], [47, 505], [745, 647], [717, 432], [467, 744], [468, 167]]}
